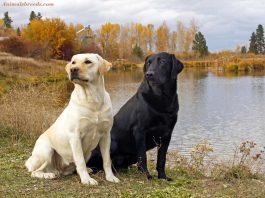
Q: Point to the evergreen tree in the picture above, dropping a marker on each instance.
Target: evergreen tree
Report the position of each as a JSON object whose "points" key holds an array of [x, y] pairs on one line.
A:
{"points": [[199, 44], [39, 16], [253, 44], [32, 16], [243, 50], [138, 52], [7, 20], [18, 32], [260, 40]]}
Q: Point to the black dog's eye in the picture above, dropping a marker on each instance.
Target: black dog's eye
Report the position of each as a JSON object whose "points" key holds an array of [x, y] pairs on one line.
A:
{"points": [[162, 61], [149, 62], [88, 62], [73, 62]]}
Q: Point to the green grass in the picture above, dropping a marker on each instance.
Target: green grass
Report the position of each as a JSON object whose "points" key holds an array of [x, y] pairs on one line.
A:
{"points": [[15, 181]]}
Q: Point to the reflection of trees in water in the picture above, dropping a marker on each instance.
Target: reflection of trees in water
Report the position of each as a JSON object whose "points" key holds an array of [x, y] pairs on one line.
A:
{"points": [[189, 80], [231, 74], [134, 75]]}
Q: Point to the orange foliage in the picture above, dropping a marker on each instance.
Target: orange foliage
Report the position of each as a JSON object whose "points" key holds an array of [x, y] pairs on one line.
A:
{"points": [[52, 34], [14, 46]]}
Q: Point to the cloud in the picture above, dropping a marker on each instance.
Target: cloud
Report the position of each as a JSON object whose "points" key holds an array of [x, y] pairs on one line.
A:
{"points": [[224, 23]]}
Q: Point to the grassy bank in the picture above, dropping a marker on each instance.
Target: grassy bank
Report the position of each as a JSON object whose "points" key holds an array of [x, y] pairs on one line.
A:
{"points": [[233, 64], [18, 70], [29, 107], [191, 178], [224, 64]]}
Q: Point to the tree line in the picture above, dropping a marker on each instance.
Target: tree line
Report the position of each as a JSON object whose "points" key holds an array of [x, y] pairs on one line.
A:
{"points": [[54, 38], [256, 42]]}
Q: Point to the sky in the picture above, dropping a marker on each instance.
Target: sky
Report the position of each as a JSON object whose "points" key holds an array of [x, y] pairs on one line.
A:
{"points": [[224, 23]]}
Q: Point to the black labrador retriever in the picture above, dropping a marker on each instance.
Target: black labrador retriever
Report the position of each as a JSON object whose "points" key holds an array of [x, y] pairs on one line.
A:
{"points": [[147, 119]]}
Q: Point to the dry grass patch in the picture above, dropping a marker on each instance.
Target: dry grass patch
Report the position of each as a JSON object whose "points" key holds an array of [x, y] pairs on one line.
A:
{"points": [[30, 110], [21, 67]]}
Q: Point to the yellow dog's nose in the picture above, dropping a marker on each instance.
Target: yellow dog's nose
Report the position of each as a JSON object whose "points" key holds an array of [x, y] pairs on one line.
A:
{"points": [[74, 69]]}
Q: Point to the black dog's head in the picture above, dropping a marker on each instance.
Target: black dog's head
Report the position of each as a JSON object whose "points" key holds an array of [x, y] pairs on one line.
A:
{"points": [[161, 67]]}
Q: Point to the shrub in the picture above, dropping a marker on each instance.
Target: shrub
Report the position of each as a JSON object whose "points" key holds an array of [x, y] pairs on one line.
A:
{"points": [[231, 67], [247, 164], [244, 65], [15, 46]]}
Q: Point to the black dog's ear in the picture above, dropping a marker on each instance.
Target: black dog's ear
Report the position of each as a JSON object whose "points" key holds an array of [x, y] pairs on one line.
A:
{"points": [[177, 67], [145, 63]]}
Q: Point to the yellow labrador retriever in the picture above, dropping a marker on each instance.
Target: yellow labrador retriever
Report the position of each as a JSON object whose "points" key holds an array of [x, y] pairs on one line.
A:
{"points": [[66, 146]]}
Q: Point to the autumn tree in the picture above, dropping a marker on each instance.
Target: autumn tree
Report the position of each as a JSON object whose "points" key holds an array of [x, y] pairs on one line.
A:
{"points": [[181, 32], [173, 42], [2, 27], [162, 38], [185, 35], [125, 42], [108, 35], [190, 33], [52, 34], [199, 44], [7, 20], [150, 36], [140, 35], [253, 44]]}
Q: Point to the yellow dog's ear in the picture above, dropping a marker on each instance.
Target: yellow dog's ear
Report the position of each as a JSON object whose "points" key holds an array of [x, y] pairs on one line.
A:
{"points": [[67, 68], [104, 65]]}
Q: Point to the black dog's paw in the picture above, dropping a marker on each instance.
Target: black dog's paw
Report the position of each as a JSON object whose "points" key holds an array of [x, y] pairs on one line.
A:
{"points": [[169, 179], [165, 178], [149, 177]]}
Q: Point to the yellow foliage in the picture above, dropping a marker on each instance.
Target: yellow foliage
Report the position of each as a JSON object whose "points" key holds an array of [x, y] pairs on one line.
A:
{"points": [[50, 33], [108, 35], [2, 24], [244, 65], [162, 34]]}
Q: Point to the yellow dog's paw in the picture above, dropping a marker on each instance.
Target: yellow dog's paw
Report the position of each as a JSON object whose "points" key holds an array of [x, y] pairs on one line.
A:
{"points": [[112, 178], [89, 181]]}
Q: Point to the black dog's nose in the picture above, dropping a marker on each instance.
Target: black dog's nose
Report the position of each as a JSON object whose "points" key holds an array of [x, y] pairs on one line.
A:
{"points": [[149, 74], [74, 69]]}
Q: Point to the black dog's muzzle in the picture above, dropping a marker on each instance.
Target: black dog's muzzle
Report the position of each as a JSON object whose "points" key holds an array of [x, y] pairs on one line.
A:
{"points": [[150, 75]]}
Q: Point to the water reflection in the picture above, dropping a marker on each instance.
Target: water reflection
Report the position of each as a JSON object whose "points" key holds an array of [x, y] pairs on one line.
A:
{"points": [[220, 107]]}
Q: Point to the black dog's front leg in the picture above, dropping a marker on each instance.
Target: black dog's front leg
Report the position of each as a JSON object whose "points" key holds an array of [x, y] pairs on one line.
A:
{"points": [[141, 153], [161, 157]]}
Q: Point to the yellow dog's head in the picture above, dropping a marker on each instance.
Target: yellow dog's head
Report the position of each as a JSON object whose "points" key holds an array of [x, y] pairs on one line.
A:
{"points": [[86, 68]]}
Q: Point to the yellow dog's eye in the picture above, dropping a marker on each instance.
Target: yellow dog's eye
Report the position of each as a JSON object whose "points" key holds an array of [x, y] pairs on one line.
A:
{"points": [[88, 62]]}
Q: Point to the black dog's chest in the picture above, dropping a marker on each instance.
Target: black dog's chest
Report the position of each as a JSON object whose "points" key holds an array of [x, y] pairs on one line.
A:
{"points": [[159, 126]]}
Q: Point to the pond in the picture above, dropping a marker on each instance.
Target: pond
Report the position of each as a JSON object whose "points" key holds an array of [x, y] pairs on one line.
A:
{"points": [[223, 108]]}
